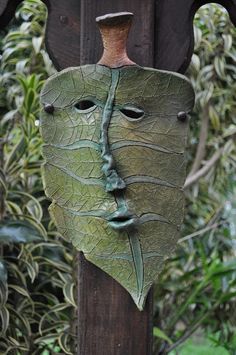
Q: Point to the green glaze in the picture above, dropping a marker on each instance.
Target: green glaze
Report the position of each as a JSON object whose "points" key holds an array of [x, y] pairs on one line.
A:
{"points": [[113, 180], [115, 170]]}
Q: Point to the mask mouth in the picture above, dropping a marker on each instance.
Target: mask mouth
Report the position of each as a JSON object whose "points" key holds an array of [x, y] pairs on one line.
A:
{"points": [[119, 220]]}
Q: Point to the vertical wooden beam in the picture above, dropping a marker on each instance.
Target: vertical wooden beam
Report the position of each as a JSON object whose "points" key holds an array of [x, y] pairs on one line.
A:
{"points": [[108, 320]]}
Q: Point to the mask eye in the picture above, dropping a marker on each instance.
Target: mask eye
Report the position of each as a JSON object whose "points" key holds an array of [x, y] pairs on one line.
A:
{"points": [[132, 113], [85, 105]]}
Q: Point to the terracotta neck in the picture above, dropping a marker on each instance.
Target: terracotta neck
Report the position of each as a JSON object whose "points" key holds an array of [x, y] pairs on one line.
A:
{"points": [[115, 29]]}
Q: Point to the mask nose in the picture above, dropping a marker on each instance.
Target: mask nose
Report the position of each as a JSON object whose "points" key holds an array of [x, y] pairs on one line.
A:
{"points": [[113, 181]]}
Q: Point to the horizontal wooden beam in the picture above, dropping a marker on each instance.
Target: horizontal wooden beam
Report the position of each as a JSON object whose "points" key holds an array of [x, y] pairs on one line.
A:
{"points": [[161, 37]]}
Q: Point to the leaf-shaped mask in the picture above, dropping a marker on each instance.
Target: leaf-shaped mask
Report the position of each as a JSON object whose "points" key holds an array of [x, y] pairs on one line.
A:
{"points": [[115, 167]]}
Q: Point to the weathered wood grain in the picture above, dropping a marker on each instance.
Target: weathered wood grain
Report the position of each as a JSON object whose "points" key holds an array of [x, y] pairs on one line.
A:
{"points": [[63, 32], [113, 324]]}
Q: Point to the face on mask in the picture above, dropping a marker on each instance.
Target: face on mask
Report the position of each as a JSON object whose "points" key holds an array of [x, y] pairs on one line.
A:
{"points": [[114, 146]]}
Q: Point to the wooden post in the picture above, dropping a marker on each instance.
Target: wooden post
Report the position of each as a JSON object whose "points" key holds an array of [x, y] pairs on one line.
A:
{"points": [[112, 321], [162, 37], [108, 320]]}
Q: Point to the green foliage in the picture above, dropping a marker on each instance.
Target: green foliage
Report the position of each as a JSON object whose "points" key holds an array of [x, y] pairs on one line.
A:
{"points": [[197, 288], [20, 231], [201, 347], [37, 305]]}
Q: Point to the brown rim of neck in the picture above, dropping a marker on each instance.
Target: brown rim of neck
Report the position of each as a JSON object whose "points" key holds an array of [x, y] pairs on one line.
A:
{"points": [[114, 29]]}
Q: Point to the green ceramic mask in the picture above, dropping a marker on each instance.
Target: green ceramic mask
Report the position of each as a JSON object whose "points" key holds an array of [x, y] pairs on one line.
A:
{"points": [[115, 166]]}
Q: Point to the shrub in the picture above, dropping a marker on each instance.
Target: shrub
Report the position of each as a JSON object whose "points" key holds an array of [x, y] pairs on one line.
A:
{"points": [[36, 286]]}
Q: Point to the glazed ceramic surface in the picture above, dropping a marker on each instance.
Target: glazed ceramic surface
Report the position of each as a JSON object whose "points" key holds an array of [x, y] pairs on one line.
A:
{"points": [[114, 149]]}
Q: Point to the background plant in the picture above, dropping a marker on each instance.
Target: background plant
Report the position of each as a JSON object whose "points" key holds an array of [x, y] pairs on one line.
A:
{"points": [[36, 285], [196, 291]]}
